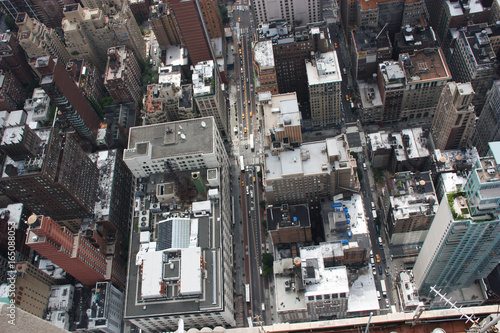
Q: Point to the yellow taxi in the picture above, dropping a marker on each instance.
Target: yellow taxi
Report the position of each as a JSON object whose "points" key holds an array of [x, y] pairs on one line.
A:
{"points": [[346, 97], [245, 130], [242, 183], [243, 116], [251, 114], [254, 179], [378, 257], [239, 19]]}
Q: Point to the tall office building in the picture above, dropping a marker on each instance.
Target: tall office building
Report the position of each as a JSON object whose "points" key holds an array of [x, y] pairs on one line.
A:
{"points": [[89, 32], [391, 84], [488, 124], [13, 58], [369, 48], [324, 79], [12, 92], [309, 172], [158, 297], [463, 243], [212, 18], [49, 174], [193, 30], [32, 288], [209, 96], [82, 258], [164, 25], [295, 12], [455, 118], [447, 14], [123, 75], [378, 13], [474, 61], [49, 12], [426, 74], [71, 102], [106, 313], [39, 41]]}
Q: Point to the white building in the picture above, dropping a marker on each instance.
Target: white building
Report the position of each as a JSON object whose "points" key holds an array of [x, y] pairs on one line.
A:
{"points": [[295, 12], [324, 79], [185, 145]]}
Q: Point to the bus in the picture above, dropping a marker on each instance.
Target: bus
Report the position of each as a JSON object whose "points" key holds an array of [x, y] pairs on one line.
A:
{"points": [[252, 148], [242, 164], [247, 293], [383, 287]]}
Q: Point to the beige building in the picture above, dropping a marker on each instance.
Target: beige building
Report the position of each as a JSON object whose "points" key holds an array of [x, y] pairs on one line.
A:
{"points": [[123, 75], [455, 117], [324, 79], [426, 74], [282, 120], [209, 94], [307, 173], [295, 12], [39, 41], [89, 33], [32, 288]]}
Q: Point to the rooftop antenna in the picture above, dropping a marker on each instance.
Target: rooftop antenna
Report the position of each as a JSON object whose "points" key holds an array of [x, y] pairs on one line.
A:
{"points": [[257, 317], [376, 38], [475, 327]]}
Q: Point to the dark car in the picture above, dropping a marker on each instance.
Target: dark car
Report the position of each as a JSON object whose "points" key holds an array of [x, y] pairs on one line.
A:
{"points": [[380, 269]]}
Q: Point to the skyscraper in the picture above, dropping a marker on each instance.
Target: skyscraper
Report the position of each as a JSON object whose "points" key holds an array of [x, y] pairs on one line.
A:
{"points": [[488, 124], [123, 75], [193, 30], [324, 79], [209, 97], [473, 60], [295, 12], [89, 32], [82, 258], [164, 25], [13, 58], [12, 92], [53, 176], [73, 106], [463, 243], [39, 41], [455, 118]]}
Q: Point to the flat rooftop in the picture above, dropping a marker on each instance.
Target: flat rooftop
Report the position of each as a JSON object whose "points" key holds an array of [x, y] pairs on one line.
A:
{"points": [[282, 107], [263, 54], [170, 75], [323, 69], [203, 75], [392, 73], [193, 136], [370, 95], [478, 47], [425, 65], [290, 162], [415, 142], [176, 55], [365, 38], [456, 159], [288, 216]]}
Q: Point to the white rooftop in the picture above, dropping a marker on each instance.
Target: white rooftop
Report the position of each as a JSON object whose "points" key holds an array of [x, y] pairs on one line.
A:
{"points": [[190, 281], [290, 162], [408, 291], [452, 182], [325, 69], [167, 74], [379, 140], [61, 297], [417, 144], [282, 111], [14, 212], [203, 74], [176, 55], [105, 163], [363, 293], [263, 54], [151, 274], [15, 118], [331, 280], [370, 95]]}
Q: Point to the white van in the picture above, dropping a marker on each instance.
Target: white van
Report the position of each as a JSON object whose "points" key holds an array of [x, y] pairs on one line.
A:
{"points": [[372, 261], [378, 295], [380, 241], [373, 205], [364, 166]]}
